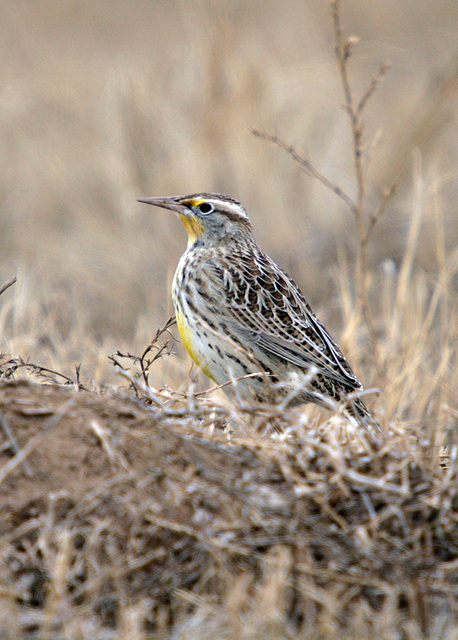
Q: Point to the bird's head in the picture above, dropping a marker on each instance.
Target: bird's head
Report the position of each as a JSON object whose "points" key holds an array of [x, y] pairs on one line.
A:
{"points": [[206, 216]]}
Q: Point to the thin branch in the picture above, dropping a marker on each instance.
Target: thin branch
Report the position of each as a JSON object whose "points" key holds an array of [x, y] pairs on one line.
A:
{"points": [[146, 364], [18, 363], [158, 351], [306, 165], [343, 51], [7, 285], [380, 210], [371, 88]]}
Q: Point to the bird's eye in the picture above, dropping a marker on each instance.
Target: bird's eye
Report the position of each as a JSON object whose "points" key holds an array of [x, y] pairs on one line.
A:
{"points": [[205, 207]]}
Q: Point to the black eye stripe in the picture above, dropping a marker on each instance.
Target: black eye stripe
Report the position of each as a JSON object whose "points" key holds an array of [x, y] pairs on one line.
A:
{"points": [[205, 207]]}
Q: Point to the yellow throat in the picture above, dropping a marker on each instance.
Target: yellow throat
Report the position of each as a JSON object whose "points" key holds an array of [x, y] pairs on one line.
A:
{"points": [[193, 226]]}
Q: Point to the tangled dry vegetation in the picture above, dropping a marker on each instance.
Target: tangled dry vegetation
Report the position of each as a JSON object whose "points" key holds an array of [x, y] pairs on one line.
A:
{"points": [[123, 518]]}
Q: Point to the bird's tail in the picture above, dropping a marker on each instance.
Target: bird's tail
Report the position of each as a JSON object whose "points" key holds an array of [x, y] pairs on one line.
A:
{"points": [[360, 414]]}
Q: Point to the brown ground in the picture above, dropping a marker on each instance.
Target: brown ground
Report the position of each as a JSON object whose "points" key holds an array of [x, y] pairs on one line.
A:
{"points": [[67, 455], [123, 516]]}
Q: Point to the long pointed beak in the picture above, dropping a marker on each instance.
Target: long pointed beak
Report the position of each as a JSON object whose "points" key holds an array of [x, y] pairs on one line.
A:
{"points": [[170, 203]]}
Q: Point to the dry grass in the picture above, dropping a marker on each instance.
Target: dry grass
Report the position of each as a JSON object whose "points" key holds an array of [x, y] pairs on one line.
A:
{"points": [[137, 522], [128, 511]]}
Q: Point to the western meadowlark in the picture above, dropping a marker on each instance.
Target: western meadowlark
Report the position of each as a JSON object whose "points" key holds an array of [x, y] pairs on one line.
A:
{"points": [[244, 321]]}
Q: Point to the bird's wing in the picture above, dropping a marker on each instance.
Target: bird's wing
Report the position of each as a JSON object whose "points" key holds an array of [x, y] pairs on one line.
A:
{"points": [[332, 366], [279, 320], [313, 346]]}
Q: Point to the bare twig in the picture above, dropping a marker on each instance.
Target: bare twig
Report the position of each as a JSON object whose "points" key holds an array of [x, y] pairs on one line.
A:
{"points": [[9, 368], [343, 51], [7, 285], [372, 87], [306, 165], [48, 374], [165, 349], [158, 351]]}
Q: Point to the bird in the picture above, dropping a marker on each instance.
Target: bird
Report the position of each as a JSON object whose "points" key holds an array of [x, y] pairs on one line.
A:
{"points": [[245, 322]]}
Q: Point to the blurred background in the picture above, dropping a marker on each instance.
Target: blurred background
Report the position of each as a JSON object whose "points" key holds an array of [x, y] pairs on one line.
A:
{"points": [[105, 102]]}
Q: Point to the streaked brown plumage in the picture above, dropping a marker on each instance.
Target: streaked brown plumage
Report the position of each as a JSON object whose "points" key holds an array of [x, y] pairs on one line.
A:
{"points": [[240, 315]]}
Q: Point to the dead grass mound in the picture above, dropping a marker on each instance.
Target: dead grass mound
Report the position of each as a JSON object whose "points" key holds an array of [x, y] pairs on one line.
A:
{"points": [[123, 520]]}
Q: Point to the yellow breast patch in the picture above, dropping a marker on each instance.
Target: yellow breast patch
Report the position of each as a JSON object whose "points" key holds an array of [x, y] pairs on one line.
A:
{"points": [[187, 338]]}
